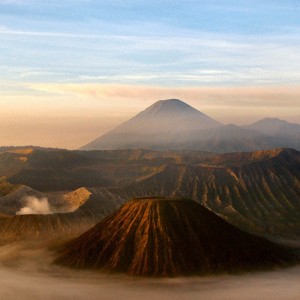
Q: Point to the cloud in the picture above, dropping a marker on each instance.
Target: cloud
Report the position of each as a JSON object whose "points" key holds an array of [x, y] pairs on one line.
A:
{"points": [[266, 96], [177, 57], [7, 31]]}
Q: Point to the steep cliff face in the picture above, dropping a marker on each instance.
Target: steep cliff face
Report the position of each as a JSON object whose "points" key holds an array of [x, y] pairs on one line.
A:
{"points": [[258, 191], [169, 237]]}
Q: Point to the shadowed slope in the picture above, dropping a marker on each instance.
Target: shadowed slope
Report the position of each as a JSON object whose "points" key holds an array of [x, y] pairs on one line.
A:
{"points": [[42, 227], [169, 237], [62, 170], [12, 196]]}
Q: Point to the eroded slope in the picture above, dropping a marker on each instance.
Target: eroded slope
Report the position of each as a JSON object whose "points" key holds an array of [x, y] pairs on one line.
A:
{"points": [[169, 237]]}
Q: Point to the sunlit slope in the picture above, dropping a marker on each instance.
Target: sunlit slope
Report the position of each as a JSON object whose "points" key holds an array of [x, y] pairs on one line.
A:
{"points": [[258, 191]]}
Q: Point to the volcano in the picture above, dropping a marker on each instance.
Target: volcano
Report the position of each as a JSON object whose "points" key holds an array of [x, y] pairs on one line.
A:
{"points": [[169, 237], [174, 125], [163, 125]]}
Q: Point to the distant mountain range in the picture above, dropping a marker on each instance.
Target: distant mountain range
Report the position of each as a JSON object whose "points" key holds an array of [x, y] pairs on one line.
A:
{"points": [[174, 125]]}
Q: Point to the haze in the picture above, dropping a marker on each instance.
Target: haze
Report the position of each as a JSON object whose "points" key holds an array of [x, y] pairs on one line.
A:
{"points": [[278, 286], [72, 70], [32, 278]]}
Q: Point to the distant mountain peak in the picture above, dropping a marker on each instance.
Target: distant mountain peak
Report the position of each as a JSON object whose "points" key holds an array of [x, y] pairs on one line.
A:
{"points": [[166, 122], [172, 101], [272, 120], [275, 126], [172, 124], [169, 107], [169, 103], [275, 121]]}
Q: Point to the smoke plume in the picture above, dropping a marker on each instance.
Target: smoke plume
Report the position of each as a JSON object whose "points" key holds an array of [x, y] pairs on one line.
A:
{"points": [[35, 206]]}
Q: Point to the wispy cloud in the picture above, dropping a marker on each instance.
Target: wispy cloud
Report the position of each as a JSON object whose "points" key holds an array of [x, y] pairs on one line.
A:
{"points": [[195, 60], [8, 31], [158, 55], [71, 62], [252, 96]]}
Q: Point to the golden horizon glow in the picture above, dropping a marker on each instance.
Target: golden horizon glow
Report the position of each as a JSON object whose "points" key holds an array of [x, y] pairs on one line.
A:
{"points": [[70, 115]]}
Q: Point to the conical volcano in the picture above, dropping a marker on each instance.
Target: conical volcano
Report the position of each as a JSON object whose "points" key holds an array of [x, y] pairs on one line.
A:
{"points": [[169, 237], [163, 125]]}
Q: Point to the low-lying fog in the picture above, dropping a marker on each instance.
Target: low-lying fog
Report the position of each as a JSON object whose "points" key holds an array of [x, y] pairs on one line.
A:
{"points": [[31, 276]]}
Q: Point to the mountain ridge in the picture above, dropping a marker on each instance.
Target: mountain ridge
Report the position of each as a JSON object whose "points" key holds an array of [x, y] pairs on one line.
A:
{"points": [[257, 191], [275, 126], [174, 125]]}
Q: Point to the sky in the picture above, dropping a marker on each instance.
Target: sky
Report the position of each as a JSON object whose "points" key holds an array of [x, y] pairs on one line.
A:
{"points": [[71, 70]]}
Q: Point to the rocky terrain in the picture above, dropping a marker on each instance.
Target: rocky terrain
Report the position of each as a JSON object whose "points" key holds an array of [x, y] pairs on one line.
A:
{"points": [[68, 214], [257, 191]]}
